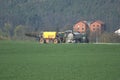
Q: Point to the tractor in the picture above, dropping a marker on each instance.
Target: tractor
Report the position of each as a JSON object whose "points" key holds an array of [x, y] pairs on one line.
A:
{"points": [[60, 37]]}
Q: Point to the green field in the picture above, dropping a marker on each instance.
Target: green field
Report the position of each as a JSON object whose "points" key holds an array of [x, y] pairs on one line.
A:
{"points": [[32, 61]]}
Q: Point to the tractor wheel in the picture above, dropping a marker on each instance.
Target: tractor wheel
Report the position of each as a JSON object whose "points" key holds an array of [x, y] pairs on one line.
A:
{"points": [[55, 41], [42, 41]]}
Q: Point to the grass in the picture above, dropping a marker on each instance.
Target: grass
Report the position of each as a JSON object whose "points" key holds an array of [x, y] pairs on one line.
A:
{"points": [[32, 61]]}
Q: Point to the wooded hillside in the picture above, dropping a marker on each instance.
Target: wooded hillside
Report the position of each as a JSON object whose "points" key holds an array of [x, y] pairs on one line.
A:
{"points": [[37, 15]]}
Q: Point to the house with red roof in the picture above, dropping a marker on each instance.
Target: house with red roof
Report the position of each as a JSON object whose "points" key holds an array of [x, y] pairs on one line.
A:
{"points": [[81, 27]]}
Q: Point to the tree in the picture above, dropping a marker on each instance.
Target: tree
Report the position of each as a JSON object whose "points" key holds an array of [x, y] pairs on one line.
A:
{"points": [[110, 38], [105, 37], [19, 32], [7, 30], [1, 34]]}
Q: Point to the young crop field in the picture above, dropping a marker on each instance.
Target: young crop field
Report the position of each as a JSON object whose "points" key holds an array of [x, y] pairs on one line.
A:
{"points": [[32, 61]]}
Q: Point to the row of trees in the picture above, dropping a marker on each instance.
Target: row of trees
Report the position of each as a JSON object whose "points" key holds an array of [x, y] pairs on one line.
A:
{"points": [[18, 32], [104, 37], [8, 32]]}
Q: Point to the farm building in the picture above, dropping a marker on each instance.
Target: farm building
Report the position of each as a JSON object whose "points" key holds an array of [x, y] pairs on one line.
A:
{"points": [[97, 26], [81, 27], [93, 29]]}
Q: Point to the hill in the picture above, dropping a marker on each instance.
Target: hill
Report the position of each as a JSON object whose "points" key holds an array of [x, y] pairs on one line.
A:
{"points": [[57, 14]]}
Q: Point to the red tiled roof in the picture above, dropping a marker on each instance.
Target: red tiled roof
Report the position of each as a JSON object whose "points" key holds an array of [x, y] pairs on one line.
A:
{"points": [[98, 21]]}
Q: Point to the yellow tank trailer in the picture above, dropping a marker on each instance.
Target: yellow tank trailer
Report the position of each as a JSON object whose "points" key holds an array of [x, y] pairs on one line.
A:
{"points": [[49, 37]]}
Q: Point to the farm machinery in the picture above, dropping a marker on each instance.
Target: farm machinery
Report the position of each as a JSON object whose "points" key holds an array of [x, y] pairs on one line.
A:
{"points": [[60, 37], [51, 37]]}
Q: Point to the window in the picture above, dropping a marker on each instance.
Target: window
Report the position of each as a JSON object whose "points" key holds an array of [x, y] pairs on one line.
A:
{"points": [[83, 29], [97, 25]]}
